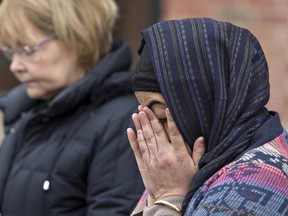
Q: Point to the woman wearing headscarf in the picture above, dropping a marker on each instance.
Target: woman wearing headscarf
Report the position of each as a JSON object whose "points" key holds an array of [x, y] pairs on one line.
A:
{"points": [[206, 78]]}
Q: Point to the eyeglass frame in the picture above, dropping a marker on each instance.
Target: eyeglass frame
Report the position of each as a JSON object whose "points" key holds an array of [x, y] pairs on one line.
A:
{"points": [[25, 51]]}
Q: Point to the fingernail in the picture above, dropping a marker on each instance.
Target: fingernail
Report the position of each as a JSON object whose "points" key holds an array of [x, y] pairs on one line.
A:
{"points": [[167, 110], [139, 107], [141, 113]]}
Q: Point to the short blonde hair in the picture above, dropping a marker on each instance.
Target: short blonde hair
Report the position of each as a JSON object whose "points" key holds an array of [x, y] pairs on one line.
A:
{"points": [[85, 26]]}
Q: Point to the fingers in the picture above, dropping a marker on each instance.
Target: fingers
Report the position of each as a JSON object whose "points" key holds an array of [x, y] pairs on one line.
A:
{"points": [[138, 144], [140, 108], [175, 136], [134, 143], [136, 122], [146, 135], [139, 147], [198, 150], [157, 127], [136, 149], [162, 171]]}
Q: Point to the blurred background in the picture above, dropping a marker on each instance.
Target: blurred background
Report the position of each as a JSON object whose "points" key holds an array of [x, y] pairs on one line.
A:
{"points": [[266, 19]]}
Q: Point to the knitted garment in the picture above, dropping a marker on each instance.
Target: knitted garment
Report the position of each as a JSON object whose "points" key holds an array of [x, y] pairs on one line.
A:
{"points": [[254, 185], [214, 79]]}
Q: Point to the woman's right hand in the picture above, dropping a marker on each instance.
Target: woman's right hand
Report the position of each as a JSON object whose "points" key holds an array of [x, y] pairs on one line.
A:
{"points": [[166, 165]]}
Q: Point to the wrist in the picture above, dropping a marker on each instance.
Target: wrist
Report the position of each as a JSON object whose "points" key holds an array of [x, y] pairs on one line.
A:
{"points": [[171, 193], [174, 203], [150, 200], [169, 205]]}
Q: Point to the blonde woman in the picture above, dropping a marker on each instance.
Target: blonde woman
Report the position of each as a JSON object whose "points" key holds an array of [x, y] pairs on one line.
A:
{"points": [[65, 151]]}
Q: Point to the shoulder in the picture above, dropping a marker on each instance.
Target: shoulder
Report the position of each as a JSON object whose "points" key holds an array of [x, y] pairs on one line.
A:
{"points": [[249, 185], [14, 103], [117, 107], [264, 164], [111, 117]]}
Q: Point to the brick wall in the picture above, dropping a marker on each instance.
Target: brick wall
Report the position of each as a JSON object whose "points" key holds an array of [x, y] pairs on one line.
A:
{"points": [[266, 19], [7, 80]]}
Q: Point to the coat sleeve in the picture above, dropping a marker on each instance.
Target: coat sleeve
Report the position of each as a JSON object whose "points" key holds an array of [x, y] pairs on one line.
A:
{"points": [[1, 126], [114, 181], [158, 210]]}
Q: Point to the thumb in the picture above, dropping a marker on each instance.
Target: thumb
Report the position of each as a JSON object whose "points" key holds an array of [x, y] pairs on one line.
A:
{"points": [[198, 150]]}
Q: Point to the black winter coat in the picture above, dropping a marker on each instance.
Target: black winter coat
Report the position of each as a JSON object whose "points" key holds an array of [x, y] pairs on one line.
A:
{"points": [[71, 156]]}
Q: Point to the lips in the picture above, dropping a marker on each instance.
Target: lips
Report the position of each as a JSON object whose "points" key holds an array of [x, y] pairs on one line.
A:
{"points": [[29, 82]]}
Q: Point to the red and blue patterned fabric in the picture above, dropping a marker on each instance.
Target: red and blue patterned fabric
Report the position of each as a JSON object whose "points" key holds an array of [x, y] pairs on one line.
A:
{"points": [[255, 184]]}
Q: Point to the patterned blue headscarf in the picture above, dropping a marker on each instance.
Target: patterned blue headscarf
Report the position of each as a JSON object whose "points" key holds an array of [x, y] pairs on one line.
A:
{"points": [[214, 78]]}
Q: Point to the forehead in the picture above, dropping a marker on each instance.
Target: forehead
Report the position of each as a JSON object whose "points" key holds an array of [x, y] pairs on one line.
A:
{"points": [[21, 32], [146, 97]]}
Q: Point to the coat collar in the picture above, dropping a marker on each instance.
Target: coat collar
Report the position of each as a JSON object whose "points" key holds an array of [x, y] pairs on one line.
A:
{"points": [[111, 72]]}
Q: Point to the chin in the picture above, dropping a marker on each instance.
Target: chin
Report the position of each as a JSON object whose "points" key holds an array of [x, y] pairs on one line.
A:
{"points": [[35, 95]]}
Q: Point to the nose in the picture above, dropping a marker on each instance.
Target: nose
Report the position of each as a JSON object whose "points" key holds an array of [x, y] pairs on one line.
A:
{"points": [[16, 65]]}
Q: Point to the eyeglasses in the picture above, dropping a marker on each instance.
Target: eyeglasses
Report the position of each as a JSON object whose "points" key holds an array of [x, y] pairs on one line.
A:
{"points": [[25, 52]]}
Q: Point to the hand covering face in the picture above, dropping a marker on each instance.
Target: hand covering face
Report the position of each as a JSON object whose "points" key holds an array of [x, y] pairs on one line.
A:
{"points": [[214, 78]]}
